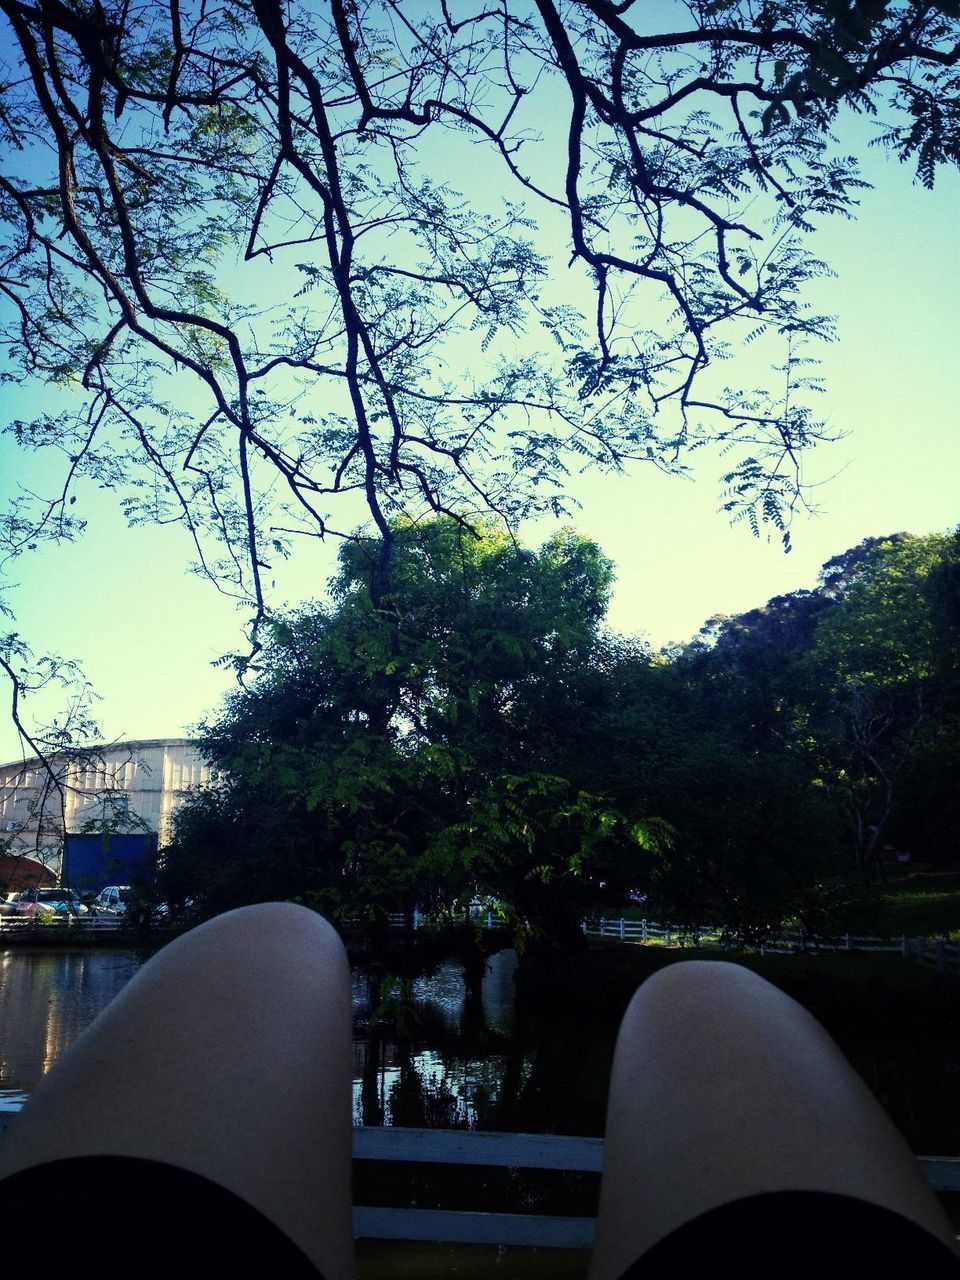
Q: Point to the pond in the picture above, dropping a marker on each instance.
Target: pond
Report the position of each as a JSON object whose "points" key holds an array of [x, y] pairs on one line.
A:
{"points": [[46, 999], [420, 1051], [427, 1054]]}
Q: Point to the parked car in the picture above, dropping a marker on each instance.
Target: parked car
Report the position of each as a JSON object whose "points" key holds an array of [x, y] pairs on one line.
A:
{"points": [[122, 900], [113, 900], [49, 902]]}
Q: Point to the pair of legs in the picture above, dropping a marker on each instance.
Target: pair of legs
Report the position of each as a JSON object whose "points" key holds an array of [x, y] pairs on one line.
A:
{"points": [[229, 1056]]}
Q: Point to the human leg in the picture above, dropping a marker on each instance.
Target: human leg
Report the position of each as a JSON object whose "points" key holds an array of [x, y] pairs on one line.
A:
{"points": [[722, 1088], [228, 1055]]}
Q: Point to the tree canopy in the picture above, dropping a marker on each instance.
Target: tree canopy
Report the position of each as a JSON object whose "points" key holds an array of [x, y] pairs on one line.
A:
{"points": [[421, 748], [477, 731], [290, 264], [860, 678]]}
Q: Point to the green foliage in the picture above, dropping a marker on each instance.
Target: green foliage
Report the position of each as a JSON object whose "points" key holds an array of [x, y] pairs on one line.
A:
{"points": [[389, 752], [471, 731], [542, 848], [883, 634], [874, 677], [858, 683], [750, 831]]}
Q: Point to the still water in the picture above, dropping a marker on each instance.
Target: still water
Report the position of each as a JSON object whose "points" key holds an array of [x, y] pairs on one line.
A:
{"points": [[48, 998]]}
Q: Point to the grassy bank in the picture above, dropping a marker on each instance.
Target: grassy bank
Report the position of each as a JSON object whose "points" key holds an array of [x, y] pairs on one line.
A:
{"points": [[925, 903]]}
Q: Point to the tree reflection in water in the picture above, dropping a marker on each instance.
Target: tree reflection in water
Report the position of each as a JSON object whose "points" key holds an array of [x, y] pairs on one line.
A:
{"points": [[427, 1051], [435, 1051]]}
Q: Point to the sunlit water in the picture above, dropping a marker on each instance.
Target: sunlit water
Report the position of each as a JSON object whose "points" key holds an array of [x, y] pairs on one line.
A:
{"points": [[48, 998]]}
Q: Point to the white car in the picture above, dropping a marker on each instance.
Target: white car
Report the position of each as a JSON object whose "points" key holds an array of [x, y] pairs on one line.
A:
{"points": [[8, 906], [114, 899]]}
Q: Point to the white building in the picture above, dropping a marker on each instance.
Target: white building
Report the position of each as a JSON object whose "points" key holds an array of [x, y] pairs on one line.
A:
{"points": [[123, 786]]}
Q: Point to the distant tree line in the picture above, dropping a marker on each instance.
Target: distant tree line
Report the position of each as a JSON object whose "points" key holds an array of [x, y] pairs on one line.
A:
{"points": [[478, 732]]}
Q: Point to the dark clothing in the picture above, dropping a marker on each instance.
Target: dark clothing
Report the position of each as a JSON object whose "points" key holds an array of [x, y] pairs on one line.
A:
{"points": [[798, 1233], [145, 1214], [140, 1216]]}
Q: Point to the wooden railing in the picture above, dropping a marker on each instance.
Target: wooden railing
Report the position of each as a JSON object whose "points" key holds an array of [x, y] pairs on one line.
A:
{"points": [[482, 1149], [503, 1150]]}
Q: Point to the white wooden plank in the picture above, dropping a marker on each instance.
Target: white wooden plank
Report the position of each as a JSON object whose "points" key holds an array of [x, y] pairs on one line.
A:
{"points": [[448, 1226], [556, 1151], [942, 1172], [472, 1146]]}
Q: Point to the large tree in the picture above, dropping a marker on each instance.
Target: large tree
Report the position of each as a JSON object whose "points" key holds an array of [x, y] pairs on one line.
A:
{"points": [[287, 262], [694, 741], [419, 747]]}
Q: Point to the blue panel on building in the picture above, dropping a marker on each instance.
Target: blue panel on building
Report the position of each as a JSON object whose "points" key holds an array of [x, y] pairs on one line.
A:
{"points": [[94, 860]]}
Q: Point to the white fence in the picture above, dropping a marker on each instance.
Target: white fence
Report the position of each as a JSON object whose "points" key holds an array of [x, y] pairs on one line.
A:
{"points": [[34, 927], [933, 952], [646, 931], [936, 952]]}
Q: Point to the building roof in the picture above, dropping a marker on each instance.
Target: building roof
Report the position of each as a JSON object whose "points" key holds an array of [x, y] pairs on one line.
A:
{"points": [[129, 744]]}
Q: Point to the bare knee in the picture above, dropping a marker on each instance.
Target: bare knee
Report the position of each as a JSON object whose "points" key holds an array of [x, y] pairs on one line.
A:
{"points": [[697, 983], [264, 925], [269, 916], [262, 953]]}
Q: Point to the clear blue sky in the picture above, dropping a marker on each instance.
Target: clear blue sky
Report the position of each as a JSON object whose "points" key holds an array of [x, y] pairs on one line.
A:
{"points": [[147, 632]]}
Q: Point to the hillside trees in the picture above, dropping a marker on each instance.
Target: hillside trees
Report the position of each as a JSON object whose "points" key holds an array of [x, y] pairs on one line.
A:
{"points": [[857, 682], [881, 697], [291, 267]]}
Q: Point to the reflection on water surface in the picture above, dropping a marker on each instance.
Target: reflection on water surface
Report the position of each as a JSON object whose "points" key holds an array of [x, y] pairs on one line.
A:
{"points": [[46, 999], [425, 1075], [424, 1055]]}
